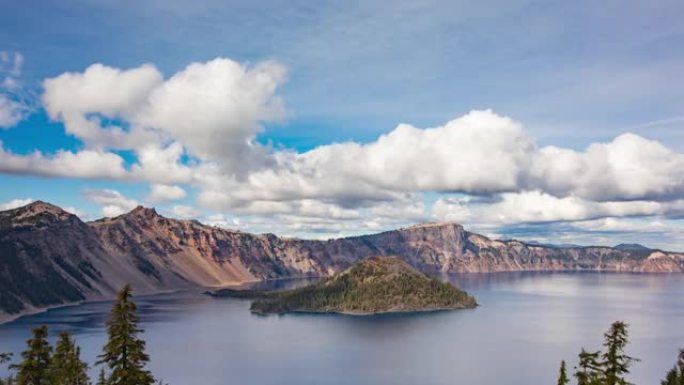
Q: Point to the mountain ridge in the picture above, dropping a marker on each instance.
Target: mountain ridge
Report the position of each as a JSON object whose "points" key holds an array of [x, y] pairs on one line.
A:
{"points": [[50, 257]]}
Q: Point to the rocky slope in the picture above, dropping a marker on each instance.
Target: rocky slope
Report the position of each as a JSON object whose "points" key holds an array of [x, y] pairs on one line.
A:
{"points": [[50, 257], [372, 285]]}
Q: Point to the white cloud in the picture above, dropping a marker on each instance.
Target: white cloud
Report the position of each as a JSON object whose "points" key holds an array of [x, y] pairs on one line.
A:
{"points": [[215, 109], [479, 153], [220, 220], [185, 212], [73, 210], [629, 167], [164, 193], [14, 104], [10, 66], [82, 100], [197, 128], [612, 224], [161, 164], [11, 111], [14, 203], [536, 207], [82, 164], [113, 202]]}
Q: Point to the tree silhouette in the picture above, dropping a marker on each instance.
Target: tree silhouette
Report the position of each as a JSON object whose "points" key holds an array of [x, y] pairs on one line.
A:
{"points": [[563, 375], [124, 354], [34, 369], [66, 367]]}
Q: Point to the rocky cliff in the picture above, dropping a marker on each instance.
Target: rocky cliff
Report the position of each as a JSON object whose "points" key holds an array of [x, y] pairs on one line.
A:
{"points": [[50, 257]]}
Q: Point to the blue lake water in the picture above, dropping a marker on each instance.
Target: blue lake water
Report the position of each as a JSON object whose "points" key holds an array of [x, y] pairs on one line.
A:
{"points": [[526, 324]]}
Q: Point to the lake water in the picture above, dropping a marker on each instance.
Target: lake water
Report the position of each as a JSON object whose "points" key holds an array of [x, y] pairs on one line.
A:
{"points": [[526, 324]]}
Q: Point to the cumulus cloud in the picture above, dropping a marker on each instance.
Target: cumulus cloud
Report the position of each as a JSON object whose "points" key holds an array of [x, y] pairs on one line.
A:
{"points": [[82, 164], [214, 109], [113, 202], [628, 168], [164, 193], [159, 164], [480, 153], [14, 203], [82, 101], [477, 153], [198, 128]]}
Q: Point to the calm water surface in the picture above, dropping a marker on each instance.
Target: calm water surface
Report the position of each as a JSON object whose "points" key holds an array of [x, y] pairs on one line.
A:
{"points": [[526, 324]]}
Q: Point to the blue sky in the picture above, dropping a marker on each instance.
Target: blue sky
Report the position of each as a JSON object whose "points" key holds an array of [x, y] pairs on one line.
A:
{"points": [[571, 75]]}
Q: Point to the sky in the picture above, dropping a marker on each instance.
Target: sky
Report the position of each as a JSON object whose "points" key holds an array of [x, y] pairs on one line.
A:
{"points": [[552, 121]]}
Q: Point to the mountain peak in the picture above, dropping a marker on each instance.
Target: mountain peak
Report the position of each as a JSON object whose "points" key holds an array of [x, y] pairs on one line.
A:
{"points": [[41, 206], [37, 215], [143, 212]]}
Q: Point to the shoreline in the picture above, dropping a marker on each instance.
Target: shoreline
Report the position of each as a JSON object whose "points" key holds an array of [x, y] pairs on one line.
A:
{"points": [[7, 318], [366, 314]]}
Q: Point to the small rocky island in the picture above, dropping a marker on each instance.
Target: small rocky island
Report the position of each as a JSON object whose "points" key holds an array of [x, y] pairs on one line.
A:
{"points": [[374, 285]]}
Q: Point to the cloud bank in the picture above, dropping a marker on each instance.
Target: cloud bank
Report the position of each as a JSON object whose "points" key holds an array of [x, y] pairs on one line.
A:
{"points": [[196, 130]]}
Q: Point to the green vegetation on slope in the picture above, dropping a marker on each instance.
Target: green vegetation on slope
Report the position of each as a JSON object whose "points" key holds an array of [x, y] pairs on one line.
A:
{"points": [[374, 285]]}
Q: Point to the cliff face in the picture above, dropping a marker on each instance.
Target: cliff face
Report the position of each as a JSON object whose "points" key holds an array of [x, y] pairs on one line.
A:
{"points": [[49, 257]]}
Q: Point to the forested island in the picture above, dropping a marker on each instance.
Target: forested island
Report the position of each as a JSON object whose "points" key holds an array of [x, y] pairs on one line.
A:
{"points": [[374, 285]]}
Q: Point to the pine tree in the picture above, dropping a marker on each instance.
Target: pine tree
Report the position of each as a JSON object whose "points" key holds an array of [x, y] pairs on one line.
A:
{"points": [[563, 375], [124, 354], [680, 365], [5, 358], [588, 371], [101, 378], [672, 378], [615, 363], [66, 365], [676, 375], [35, 366]]}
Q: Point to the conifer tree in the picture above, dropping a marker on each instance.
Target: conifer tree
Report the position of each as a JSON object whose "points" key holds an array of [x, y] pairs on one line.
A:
{"points": [[676, 375], [615, 363], [563, 375], [66, 365], [588, 370], [35, 366], [5, 358], [124, 354], [101, 378]]}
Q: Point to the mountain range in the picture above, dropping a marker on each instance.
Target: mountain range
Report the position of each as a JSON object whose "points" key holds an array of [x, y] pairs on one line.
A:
{"points": [[50, 257]]}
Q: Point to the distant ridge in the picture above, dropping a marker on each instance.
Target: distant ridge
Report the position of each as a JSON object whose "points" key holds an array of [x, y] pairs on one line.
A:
{"points": [[632, 246], [50, 257], [554, 245]]}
